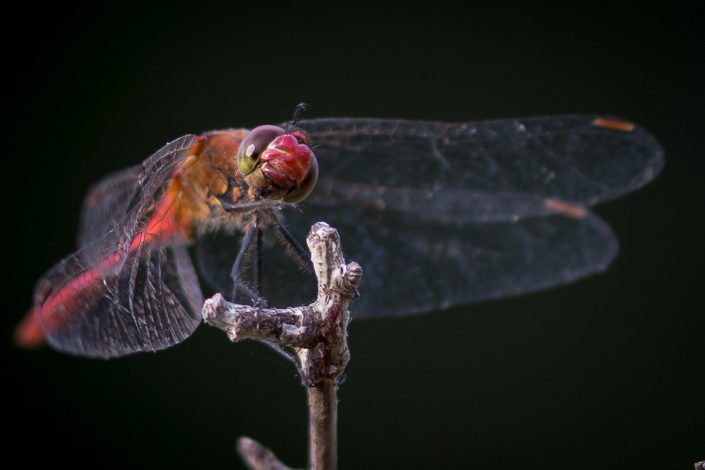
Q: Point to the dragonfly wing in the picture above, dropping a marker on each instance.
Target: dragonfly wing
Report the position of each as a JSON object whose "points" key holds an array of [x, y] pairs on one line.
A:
{"points": [[582, 160], [130, 286], [104, 199], [413, 267], [114, 207], [150, 300], [442, 214]]}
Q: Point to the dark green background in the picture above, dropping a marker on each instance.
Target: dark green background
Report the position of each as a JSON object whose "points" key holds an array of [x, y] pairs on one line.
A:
{"points": [[606, 373]]}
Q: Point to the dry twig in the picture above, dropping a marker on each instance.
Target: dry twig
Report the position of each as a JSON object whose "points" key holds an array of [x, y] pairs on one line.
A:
{"points": [[317, 333]]}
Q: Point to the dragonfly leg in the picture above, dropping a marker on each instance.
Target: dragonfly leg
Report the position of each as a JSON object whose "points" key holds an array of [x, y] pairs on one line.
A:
{"points": [[287, 240], [260, 301], [247, 243]]}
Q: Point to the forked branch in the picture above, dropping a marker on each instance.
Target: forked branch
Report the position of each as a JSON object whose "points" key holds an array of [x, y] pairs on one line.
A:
{"points": [[317, 333]]}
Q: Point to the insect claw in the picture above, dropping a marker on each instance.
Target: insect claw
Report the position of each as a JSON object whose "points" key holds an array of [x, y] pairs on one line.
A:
{"points": [[259, 302]]}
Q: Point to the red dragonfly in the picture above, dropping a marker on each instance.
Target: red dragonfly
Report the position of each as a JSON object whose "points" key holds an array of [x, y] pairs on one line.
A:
{"points": [[437, 214]]}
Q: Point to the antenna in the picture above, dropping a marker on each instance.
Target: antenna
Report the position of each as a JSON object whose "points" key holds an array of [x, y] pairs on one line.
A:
{"points": [[300, 108]]}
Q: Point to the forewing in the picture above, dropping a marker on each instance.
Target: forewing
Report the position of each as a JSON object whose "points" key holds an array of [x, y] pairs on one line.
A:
{"points": [[467, 170], [116, 207]]}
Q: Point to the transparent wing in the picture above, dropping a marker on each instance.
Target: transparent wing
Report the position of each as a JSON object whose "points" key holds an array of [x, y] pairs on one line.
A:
{"points": [[114, 207], [109, 196], [467, 170], [441, 214], [411, 267], [130, 286], [151, 302]]}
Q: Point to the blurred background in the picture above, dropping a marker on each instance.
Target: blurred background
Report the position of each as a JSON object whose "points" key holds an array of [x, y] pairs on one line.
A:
{"points": [[608, 372]]}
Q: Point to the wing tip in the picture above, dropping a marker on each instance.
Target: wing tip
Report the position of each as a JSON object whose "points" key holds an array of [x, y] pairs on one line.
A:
{"points": [[649, 146]]}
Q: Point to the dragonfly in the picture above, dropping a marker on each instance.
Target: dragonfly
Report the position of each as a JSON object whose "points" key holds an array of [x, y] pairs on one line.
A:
{"points": [[438, 214]]}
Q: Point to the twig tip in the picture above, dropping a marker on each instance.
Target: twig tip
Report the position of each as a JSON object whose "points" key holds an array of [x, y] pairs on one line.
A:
{"points": [[258, 457]]}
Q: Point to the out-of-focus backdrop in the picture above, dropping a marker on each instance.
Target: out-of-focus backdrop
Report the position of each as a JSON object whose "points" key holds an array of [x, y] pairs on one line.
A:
{"points": [[606, 373]]}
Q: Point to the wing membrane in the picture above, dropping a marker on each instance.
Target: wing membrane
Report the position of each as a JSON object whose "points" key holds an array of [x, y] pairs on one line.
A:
{"points": [[411, 267], [116, 207], [150, 303], [441, 214], [124, 290], [430, 163], [105, 199]]}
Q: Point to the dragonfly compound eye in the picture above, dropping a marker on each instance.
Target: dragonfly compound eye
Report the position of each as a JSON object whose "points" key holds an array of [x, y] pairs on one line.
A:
{"points": [[289, 164], [254, 144], [304, 188]]}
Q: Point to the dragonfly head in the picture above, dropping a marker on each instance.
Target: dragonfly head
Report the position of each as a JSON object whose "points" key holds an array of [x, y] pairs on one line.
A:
{"points": [[277, 163]]}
